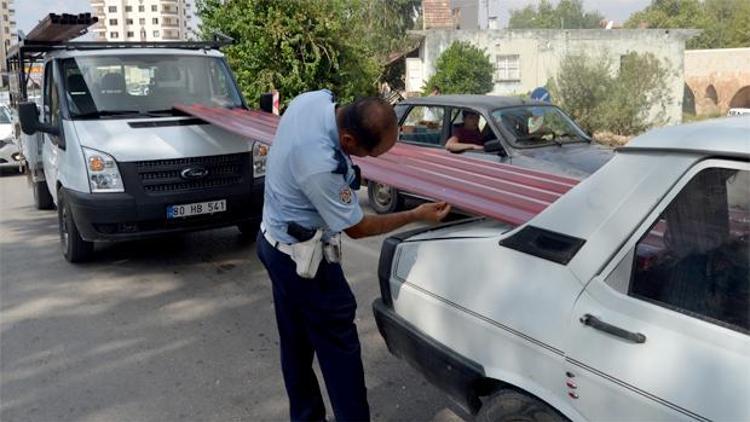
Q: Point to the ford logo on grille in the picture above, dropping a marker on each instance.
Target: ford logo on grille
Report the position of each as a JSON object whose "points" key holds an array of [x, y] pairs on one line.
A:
{"points": [[193, 173]]}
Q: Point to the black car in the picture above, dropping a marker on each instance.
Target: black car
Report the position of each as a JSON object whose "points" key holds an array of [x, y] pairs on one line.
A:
{"points": [[526, 133]]}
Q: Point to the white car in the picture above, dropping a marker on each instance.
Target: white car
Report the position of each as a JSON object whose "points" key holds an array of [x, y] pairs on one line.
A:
{"points": [[733, 112], [626, 299], [10, 156]]}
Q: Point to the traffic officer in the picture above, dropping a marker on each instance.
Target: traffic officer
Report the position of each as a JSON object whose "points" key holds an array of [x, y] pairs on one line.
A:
{"points": [[309, 200]]}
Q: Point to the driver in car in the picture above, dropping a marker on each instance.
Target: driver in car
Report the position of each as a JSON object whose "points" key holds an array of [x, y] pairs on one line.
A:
{"points": [[467, 137]]}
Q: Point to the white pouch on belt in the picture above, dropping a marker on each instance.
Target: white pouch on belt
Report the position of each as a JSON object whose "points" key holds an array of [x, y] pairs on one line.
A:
{"points": [[332, 249], [307, 255]]}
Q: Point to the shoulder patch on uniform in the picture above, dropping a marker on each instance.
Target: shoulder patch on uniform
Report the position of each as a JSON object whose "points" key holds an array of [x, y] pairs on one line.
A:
{"points": [[345, 194]]}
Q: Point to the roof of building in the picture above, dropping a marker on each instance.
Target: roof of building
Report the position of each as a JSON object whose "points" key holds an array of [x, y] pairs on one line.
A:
{"points": [[487, 102], [728, 136]]}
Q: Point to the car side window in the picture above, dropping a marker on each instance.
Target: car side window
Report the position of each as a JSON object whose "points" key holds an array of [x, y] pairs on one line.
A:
{"points": [[485, 129], [423, 125], [695, 258]]}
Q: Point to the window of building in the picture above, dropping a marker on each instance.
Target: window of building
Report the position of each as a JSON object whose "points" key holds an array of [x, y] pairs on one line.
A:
{"points": [[5, 5], [5, 18], [508, 68], [128, 8], [112, 9], [142, 21], [154, 8], [130, 34], [7, 30], [695, 259], [129, 21], [156, 34], [155, 21], [113, 21], [141, 8], [114, 35]]}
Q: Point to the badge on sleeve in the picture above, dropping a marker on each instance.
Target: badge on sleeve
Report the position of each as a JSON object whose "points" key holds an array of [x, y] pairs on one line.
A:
{"points": [[345, 194]]}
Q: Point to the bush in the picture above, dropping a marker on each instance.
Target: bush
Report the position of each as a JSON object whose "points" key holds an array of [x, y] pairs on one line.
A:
{"points": [[462, 69], [602, 100]]}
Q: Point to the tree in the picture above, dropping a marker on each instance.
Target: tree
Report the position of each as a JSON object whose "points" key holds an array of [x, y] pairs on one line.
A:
{"points": [[725, 23], [602, 99], [294, 46], [568, 14], [462, 69]]}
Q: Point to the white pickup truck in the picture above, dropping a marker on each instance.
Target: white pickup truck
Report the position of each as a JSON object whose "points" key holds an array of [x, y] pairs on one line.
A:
{"points": [[626, 299]]}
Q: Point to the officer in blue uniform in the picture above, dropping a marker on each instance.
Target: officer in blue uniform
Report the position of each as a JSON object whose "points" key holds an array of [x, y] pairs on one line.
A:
{"points": [[309, 199]]}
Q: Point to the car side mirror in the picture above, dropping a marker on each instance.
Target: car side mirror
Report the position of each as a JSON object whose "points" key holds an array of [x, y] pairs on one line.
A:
{"points": [[493, 146], [28, 116]]}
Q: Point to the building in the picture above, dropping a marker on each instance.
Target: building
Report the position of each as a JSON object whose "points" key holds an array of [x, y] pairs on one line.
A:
{"points": [[461, 14], [8, 35], [144, 20], [716, 80], [527, 59]]}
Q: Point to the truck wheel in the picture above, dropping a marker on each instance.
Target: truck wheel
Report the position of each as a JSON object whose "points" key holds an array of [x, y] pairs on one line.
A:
{"points": [[249, 229], [384, 199], [511, 405], [42, 198], [74, 248]]}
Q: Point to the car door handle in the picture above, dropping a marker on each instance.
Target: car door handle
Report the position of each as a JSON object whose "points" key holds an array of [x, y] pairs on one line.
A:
{"points": [[598, 324]]}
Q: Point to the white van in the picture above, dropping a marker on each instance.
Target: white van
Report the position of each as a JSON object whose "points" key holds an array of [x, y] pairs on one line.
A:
{"points": [[108, 149]]}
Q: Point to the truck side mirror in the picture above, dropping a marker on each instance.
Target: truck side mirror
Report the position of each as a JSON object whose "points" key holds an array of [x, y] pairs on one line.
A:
{"points": [[493, 146], [28, 115]]}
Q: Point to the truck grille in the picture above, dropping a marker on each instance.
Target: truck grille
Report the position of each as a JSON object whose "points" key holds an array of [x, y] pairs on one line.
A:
{"points": [[161, 176]]}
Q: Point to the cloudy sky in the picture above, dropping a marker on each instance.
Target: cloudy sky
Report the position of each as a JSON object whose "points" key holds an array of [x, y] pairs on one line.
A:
{"points": [[28, 12]]}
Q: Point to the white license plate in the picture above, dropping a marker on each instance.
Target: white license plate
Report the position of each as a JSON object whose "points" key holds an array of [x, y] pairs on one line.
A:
{"points": [[198, 208]]}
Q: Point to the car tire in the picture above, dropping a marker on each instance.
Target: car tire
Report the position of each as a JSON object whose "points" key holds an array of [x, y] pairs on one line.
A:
{"points": [[249, 229], [511, 405], [74, 248], [384, 199], [42, 198]]}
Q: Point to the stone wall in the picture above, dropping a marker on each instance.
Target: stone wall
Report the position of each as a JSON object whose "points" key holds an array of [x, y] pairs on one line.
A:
{"points": [[540, 53], [718, 79]]}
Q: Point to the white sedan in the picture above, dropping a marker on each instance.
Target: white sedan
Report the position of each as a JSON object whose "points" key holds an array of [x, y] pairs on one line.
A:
{"points": [[626, 299], [10, 156]]}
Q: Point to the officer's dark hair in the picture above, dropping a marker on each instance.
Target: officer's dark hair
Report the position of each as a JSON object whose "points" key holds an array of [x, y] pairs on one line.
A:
{"points": [[368, 119]]}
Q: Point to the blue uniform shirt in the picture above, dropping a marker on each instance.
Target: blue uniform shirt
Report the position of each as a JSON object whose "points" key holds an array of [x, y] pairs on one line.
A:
{"points": [[307, 174]]}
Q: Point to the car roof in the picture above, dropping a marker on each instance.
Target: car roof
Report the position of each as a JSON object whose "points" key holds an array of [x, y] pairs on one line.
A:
{"points": [[729, 136], [132, 51], [481, 102]]}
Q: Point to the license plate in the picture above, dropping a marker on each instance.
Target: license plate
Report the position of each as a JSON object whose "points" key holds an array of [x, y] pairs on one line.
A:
{"points": [[198, 208]]}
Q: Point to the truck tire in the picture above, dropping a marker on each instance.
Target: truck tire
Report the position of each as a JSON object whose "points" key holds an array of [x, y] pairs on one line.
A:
{"points": [[384, 199], [249, 229], [74, 248], [511, 405], [42, 198]]}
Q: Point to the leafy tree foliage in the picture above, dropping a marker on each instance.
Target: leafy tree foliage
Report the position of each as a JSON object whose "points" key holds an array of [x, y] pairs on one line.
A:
{"points": [[725, 23], [462, 69], [300, 45], [621, 101], [568, 14]]}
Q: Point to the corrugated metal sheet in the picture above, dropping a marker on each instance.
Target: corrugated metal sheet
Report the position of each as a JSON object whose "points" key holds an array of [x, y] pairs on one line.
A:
{"points": [[501, 191]]}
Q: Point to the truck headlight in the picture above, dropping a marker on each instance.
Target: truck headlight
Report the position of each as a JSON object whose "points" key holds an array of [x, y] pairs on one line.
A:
{"points": [[104, 175], [260, 154]]}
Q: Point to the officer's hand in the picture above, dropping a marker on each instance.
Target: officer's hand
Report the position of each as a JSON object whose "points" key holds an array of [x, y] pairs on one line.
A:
{"points": [[433, 212]]}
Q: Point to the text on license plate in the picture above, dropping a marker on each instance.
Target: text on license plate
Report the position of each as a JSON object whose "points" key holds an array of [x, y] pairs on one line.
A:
{"points": [[198, 208]]}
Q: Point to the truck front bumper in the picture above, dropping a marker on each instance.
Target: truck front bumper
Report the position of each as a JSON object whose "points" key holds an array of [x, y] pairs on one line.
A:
{"points": [[122, 216]]}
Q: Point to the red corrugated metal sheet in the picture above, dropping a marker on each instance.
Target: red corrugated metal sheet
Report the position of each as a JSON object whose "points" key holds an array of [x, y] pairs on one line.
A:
{"points": [[501, 191]]}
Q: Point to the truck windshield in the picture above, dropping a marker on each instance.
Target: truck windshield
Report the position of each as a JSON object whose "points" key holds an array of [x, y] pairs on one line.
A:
{"points": [[533, 126], [145, 85]]}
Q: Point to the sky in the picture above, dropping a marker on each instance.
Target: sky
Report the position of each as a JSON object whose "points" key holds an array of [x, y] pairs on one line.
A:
{"points": [[29, 12]]}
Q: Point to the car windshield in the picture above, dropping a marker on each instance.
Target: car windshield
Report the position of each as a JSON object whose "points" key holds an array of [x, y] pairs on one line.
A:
{"points": [[538, 125], [145, 85], [4, 116]]}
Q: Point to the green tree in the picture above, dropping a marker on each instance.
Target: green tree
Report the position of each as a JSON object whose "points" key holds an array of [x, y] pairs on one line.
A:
{"points": [[462, 69], [568, 14], [724, 23], [602, 98], [294, 46]]}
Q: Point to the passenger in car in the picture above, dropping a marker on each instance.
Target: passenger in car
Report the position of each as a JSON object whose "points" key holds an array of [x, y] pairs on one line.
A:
{"points": [[466, 137]]}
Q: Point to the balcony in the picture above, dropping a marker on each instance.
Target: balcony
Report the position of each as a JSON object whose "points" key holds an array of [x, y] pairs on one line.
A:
{"points": [[170, 25], [170, 12]]}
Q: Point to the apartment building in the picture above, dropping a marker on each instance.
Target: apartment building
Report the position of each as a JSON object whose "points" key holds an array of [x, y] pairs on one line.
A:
{"points": [[7, 35], [144, 20]]}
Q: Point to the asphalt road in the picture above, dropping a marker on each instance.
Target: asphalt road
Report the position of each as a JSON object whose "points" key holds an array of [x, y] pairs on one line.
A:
{"points": [[172, 329]]}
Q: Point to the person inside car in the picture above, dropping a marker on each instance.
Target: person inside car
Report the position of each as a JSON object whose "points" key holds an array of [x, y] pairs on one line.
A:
{"points": [[468, 136]]}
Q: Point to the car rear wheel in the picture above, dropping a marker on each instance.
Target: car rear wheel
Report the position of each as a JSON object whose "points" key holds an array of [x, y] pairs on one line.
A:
{"points": [[384, 199], [74, 248], [42, 198], [511, 405]]}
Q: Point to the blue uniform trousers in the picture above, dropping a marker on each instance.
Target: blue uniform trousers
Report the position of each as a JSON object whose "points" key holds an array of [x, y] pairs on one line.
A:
{"points": [[316, 317]]}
